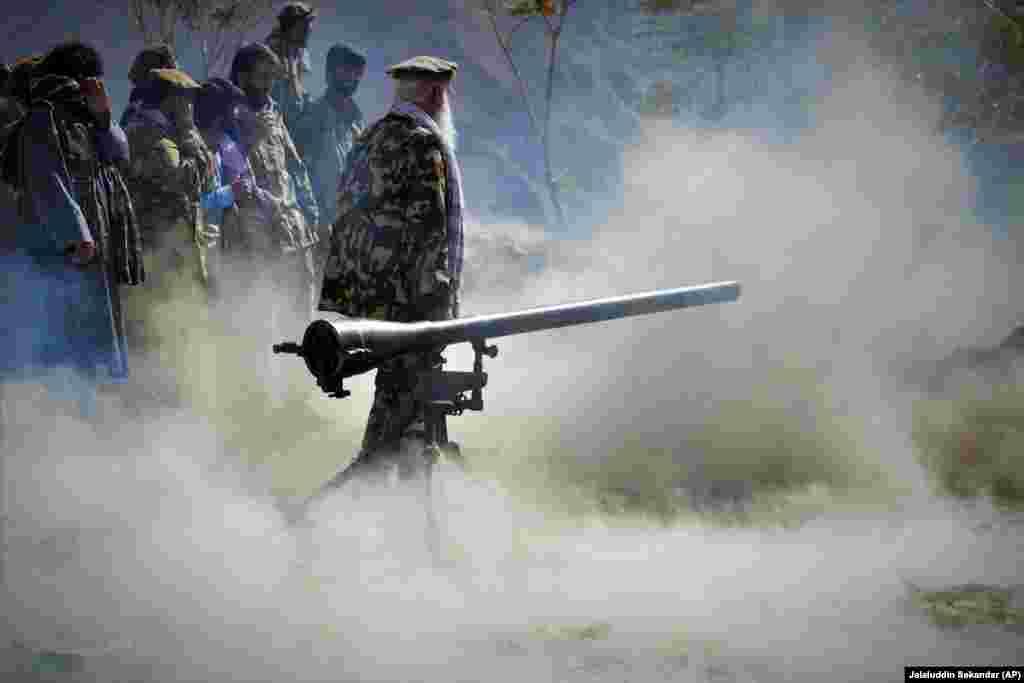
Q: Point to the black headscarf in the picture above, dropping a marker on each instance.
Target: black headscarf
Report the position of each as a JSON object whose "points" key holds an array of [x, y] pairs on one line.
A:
{"points": [[341, 54], [249, 55]]}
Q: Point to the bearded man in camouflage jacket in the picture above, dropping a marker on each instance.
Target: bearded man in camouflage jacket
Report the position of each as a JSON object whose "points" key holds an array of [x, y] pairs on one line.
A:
{"points": [[397, 244]]}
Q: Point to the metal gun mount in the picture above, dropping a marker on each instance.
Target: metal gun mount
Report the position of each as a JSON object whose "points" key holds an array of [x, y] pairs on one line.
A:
{"points": [[340, 347], [345, 347]]}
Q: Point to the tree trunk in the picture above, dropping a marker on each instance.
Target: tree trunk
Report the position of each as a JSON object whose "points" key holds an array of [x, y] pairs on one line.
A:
{"points": [[538, 189], [546, 139], [206, 58]]}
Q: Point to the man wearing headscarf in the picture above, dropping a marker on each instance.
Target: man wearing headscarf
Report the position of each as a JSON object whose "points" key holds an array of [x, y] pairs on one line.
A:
{"points": [[76, 240], [290, 42], [396, 250], [216, 116], [170, 168], [326, 133]]}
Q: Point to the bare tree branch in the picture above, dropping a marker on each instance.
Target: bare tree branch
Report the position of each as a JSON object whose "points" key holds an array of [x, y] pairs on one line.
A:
{"points": [[217, 26], [523, 91], [515, 28], [554, 33]]}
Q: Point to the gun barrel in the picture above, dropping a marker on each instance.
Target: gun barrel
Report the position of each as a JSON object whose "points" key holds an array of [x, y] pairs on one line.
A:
{"points": [[581, 313], [353, 346]]}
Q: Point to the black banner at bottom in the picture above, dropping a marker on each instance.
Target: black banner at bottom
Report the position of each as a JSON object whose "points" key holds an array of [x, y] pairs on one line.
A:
{"points": [[963, 673]]}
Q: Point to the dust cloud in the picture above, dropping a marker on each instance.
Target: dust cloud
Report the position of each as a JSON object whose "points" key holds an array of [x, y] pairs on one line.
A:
{"points": [[156, 547]]}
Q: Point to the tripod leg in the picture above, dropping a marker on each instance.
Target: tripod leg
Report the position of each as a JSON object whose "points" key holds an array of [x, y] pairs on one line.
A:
{"points": [[435, 424], [295, 513], [433, 528]]}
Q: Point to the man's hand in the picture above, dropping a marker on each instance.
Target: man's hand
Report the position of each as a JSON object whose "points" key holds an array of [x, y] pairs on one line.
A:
{"points": [[81, 253], [244, 191], [97, 100], [180, 108]]}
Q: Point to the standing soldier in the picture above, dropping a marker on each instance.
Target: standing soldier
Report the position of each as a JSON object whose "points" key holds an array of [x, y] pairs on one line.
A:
{"points": [[216, 112], [73, 244], [76, 240], [396, 252], [278, 217], [170, 168], [290, 42], [326, 133]]}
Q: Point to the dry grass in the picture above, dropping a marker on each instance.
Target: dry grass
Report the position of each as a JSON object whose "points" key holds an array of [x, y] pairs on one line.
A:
{"points": [[961, 606], [763, 460], [973, 445]]}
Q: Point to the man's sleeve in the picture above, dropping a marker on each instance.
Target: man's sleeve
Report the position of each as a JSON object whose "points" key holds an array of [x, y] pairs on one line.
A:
{"points": [[163, 162], [302, 185], [49, 194]]}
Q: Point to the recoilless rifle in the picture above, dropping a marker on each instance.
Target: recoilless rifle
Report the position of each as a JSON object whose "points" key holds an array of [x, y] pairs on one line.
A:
{"points": [[338, 347]]}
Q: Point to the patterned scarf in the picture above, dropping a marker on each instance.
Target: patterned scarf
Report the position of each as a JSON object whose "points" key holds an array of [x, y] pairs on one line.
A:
{"points": [[453, 184], [138, 114]]}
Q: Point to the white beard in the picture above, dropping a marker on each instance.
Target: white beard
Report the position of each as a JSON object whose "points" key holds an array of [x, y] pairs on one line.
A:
{"points": [[446, 122]]}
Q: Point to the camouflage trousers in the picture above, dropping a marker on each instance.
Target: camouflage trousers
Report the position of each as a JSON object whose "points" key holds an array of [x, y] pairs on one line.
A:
{"points": [[395, 412], [396, 428]]}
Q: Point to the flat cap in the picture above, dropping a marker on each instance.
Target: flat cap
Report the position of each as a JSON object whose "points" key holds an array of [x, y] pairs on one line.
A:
{"points": [[175, 78], [423, 65], [296, 11]]}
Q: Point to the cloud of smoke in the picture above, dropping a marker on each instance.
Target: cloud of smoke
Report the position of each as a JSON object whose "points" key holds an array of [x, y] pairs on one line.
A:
{"points": [[855, 255]]}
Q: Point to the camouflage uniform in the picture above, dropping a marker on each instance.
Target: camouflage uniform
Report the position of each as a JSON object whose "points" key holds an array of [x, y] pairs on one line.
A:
{"points": [[389, 259], [389, 254], [169, 169], [278, 232]]}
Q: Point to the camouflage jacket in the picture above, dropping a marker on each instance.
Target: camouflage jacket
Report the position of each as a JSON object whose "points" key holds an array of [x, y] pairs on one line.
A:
{"points": [[289, 91], [389, 251], [287, 216], [325, 137], [168, 172]]}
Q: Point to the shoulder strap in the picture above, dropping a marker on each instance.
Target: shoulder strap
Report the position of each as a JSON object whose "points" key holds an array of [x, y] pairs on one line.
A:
{"points": [[10, 162]]}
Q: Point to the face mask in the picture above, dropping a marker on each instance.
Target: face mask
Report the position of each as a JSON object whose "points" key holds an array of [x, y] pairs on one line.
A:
{"points": [[257, 99], [345, 87]]}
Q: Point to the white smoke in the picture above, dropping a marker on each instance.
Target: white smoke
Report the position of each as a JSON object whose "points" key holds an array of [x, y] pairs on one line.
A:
{"points": [[855, 256]]}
